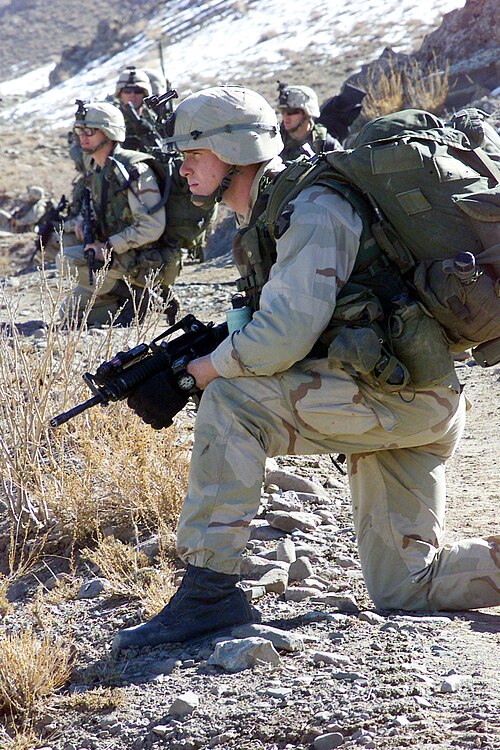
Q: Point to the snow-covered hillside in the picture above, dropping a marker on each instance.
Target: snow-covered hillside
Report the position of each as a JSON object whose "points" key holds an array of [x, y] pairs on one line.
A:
{"points": [[227, 41]]}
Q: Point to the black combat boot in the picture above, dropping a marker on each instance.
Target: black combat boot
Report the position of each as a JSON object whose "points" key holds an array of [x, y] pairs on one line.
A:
{"points": [[205, 601]]}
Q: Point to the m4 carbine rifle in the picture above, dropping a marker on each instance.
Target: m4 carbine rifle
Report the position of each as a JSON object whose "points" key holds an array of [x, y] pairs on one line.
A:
{"points": [[89, 233], [144, 132], [52, 220], [117, 379]]}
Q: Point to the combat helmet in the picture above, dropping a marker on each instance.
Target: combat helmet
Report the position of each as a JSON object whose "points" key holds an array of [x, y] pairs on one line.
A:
{"points": [[35, 192], [157, 81], [133, 76], [235, 123], [101, 115], [298, 97]]}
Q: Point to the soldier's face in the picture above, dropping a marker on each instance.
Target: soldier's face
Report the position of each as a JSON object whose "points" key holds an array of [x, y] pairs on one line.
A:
{"points": [[295, 120], [203, 170], [132, 95], [90, 138]]}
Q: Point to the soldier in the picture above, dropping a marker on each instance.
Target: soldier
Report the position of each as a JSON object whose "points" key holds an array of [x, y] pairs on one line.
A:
{"points": [[25, 217], [301, 135], [270, 389], [132, 87], [129, 224]]}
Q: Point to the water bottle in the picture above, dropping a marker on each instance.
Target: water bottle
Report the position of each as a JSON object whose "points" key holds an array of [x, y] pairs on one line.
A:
{"points": [[463, 266], [239, 314]]}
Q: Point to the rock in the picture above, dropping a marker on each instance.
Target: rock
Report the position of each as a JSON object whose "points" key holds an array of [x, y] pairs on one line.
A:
{"points": [[288, 501], [300, 593], [260, 530], [253, 591], [254, 567], [282, 640], [164, 666], [288, 481], [184, 704], [345, 561], [285, 551], [328, 741], [285, 521], [237, 655], [93, 588], [342, 603], [371, 618], [300, 569], [274, 581], [454, 682], [324, 657]]}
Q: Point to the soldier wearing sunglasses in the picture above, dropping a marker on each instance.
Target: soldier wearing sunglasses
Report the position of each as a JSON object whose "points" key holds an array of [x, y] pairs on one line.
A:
{"points": [[301, 135]]}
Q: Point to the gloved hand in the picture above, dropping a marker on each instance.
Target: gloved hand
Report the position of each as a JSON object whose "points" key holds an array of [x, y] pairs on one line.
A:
{"points": [[157, 401]]}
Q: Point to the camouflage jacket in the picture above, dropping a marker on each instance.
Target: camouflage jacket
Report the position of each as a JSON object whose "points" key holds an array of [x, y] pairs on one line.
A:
{"points": [[122, 211], [315, 257]]}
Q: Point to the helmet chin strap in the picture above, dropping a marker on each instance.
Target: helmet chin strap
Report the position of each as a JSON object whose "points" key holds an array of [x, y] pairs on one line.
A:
{"points": [[299, 125], [91, 151], [209, 201]]}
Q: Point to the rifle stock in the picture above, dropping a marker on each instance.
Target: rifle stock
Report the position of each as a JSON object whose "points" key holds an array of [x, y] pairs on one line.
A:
{"points": [[116, 379]]}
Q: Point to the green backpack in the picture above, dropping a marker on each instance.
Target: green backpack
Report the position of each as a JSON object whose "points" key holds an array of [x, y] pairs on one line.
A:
{"points": [[435, 200], [436, 194]]}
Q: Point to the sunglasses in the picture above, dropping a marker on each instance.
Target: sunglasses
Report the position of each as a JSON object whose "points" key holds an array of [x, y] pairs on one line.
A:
{"points": [[132, 90], [87, 132], [289, 111]]}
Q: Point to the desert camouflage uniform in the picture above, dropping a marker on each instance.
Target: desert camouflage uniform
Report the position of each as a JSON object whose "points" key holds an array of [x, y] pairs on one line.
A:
{"points": [[272, 400], [139, 230]]}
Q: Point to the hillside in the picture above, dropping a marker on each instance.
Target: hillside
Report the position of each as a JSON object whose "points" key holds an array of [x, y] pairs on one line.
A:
{"points": [[35, 32]]}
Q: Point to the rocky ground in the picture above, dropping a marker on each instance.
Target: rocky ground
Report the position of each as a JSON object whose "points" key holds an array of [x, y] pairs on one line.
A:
{"points": [[325, 669]]}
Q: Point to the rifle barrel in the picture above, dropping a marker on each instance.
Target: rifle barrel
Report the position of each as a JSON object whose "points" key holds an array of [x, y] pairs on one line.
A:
{"points": [[67, 415]]}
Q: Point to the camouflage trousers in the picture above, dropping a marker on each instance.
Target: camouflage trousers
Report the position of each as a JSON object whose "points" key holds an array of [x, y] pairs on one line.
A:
{"points": [[397, 448], [109, 294]]}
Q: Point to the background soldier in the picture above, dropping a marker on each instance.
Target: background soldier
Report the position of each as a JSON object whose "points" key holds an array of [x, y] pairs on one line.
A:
{"points": [[271, 389], [25, 217], [132, 87], [129, 222], [301, 135]]}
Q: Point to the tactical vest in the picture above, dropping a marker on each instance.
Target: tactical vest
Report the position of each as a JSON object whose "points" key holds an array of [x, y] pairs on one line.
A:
{"points": [[109, 192], [185, 223], [388, 345], [318, 138]]}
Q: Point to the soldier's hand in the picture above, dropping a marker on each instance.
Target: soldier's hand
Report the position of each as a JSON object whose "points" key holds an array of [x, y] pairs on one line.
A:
{"points": [[202, 371], [157, 401], [98, 251]]}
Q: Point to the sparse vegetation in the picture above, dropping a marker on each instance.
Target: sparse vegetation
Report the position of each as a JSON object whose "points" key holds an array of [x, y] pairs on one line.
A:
{"points": [[31, 668], [393, 88]]}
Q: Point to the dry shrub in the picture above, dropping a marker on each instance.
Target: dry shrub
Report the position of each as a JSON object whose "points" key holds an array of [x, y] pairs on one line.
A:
{"points": [[130, 574], [384, 92], [4, 602], [105, 467], [100, 699], [31, 668], [389, 90], [113, 470], [427, 90]]}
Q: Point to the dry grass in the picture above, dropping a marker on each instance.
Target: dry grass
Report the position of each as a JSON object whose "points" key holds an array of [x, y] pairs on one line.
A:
{"points": [[427, 92], [130, 573], [99, 700], [394, 88], [105, 467], [31, 668], [384, 92]]}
